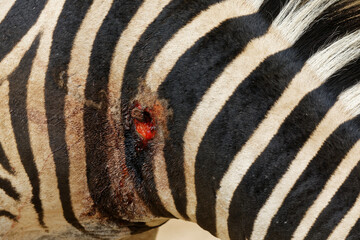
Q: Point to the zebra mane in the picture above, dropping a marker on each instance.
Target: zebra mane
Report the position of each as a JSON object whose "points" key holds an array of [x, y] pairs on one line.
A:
{"points": [[327, 33]]}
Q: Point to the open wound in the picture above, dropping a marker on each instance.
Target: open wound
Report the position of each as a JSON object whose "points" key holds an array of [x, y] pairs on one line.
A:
{"points": [[144, 122]]}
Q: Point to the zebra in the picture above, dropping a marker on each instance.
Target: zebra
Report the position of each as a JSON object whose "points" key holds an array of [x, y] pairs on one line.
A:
{"points": [[240, 115]]}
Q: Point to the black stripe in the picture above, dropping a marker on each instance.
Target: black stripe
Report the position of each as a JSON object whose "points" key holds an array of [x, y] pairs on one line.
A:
{"points": [[9, 189], [235, 123], [18, 110], [264, 174], [343, 79], [311, 182], [96, 122], [173, 17], [4, 213], [271, 8], [140, 163], [322, 32], [139, 228], [305, 46], [193, 74], [20, 18], [55, 91], [346, 77], [4, 161], [339, 205]]}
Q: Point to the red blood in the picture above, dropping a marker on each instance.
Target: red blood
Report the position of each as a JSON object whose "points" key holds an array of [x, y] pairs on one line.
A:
{"points": [[146, 127]]}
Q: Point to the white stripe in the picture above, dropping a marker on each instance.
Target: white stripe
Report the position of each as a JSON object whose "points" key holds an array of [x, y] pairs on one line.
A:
{"points": [[5, 174], [317, 69], [331, 121], [8, 138], [144, 16], [188, 35], [8, 142], [12, 59], [8, 203], [37, 121], [156, 222], [162, 182], [282, 22], [239, 166], [347, 223], [203, 23], [5, 7], [9, 63], [211, 104], [6, 225], [351, 100], [75, 99], [183, 40], [331, 187], [255, 3]]}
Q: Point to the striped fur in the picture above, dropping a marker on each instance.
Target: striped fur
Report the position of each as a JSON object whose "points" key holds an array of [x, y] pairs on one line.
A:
{"points": [[256, 106]]}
